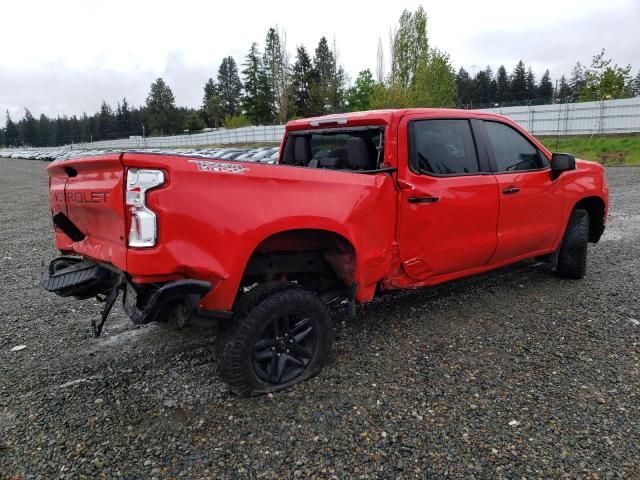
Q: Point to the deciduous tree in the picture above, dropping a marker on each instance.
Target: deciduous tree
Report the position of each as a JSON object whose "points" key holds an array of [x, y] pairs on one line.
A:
{"points": [[605, 81], [410, 46], [434, 82], [360, 95]]}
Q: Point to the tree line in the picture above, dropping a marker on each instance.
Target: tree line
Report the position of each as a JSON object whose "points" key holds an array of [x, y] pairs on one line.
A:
{"points": [[270, 87], [602, 81]]}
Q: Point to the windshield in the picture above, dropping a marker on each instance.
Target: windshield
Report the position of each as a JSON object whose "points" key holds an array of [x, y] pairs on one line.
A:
{"points": [[355, 149]]}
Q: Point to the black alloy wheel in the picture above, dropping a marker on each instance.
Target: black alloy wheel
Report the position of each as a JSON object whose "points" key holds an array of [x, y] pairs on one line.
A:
{"points": [[284, 348], [281, 336]]}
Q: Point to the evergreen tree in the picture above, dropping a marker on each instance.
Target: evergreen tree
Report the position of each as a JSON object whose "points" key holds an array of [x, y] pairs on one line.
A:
{"points": [[503, 88], [546, 88], [28, 129], [105, 122], [635, 86], [161, 108], [577, 81], [563, 95], [531, 87], [44, 131], [258, 100], [337, 90], [302, 79], [194, 122], [74, 130], [11, 133], [482, 87], [359, 96], [276, 66], [123, 119], [493, 85], [229, 87], [324, 66], [211, 105], [519, 82], [60, 131], [465, 87], [84, 128], [265, 112]]}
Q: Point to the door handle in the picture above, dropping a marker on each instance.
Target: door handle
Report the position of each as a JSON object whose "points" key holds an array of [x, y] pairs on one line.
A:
{"points": [[510, 190], [423, 199]]}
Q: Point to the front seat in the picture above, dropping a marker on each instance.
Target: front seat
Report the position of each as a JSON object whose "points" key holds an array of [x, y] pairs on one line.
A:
{"points": [[358, 155], [302, 150]]}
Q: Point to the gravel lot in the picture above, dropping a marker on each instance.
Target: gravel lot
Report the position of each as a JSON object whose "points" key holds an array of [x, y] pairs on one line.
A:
{"points": [[505, 375]]}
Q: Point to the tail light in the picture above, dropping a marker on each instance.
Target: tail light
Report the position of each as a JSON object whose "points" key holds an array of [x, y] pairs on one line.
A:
{"points": [[144, 226]]}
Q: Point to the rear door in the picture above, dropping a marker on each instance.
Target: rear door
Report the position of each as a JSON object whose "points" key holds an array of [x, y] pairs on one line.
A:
{"points": [[94, 203], [531, 203], [449, 200]]}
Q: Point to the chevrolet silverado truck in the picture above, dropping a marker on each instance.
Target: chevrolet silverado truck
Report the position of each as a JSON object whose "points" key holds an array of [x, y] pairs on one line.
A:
{"points": [[358, 204]]}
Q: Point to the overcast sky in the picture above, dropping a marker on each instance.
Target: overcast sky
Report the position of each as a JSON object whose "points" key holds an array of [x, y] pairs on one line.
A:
{"points": [[66, 56]]}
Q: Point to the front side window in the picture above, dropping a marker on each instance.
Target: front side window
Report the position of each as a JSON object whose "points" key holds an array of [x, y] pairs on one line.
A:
{"points": [[443, 147], [512, 152]]}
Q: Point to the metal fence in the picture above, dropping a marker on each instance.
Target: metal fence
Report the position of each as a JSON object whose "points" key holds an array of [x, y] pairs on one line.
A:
{"points": [[589, 118], [246, 135]]}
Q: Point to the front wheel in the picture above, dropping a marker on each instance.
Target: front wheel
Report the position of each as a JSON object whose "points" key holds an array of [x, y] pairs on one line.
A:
{"points": [[572, 256], [283, 340]]}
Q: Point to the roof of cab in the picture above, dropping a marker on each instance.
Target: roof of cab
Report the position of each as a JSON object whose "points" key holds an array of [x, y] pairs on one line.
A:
{"points": [[379, 117]]}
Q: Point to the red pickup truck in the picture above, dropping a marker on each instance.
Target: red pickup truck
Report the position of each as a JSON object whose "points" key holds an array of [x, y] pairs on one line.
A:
{"points": [[358, 204]]}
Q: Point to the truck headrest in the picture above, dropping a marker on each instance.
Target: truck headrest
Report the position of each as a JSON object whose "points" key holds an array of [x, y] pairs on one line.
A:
{"points": [[302, 151], [358, 155]]}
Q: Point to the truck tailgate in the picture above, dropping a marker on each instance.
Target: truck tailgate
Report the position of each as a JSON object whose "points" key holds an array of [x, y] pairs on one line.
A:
{"points": [[90, 192]]}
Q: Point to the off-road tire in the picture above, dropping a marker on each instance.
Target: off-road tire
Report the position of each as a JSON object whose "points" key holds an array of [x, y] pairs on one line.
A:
{"points": [[243, 305], [572, 256], [237, 365]]}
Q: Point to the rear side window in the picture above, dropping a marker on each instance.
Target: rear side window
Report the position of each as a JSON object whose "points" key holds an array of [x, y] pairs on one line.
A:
{"points": [[358, 149], [443, 147], [511, 150]]}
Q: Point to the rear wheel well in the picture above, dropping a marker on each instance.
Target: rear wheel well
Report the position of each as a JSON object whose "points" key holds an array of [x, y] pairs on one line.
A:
{"points": [[318, 260], [595, 208]]}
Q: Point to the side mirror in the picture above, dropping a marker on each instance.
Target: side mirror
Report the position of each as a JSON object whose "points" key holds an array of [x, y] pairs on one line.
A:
{"points": [[562, 162]]}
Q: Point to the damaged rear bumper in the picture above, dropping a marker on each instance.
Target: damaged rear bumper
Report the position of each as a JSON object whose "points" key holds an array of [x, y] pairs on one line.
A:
{"points": [[143, 303]]}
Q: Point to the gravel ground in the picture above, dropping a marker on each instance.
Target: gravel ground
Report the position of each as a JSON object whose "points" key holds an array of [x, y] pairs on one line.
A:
{"points": [[509, 374]]}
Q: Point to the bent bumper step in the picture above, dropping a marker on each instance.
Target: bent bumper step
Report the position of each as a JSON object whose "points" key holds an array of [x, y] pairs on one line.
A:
{"points": [[79, 278], [82, 279]]}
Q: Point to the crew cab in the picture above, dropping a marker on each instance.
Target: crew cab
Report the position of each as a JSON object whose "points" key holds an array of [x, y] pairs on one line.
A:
{"points": [[357, 204]]}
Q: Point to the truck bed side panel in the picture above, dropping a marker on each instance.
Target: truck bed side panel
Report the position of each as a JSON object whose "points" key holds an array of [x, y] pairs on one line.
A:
{"points": [[213, 214]]}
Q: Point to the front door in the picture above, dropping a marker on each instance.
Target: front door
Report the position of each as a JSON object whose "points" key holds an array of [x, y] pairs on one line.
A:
{"points": [[448, 210], [531, 202]]}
